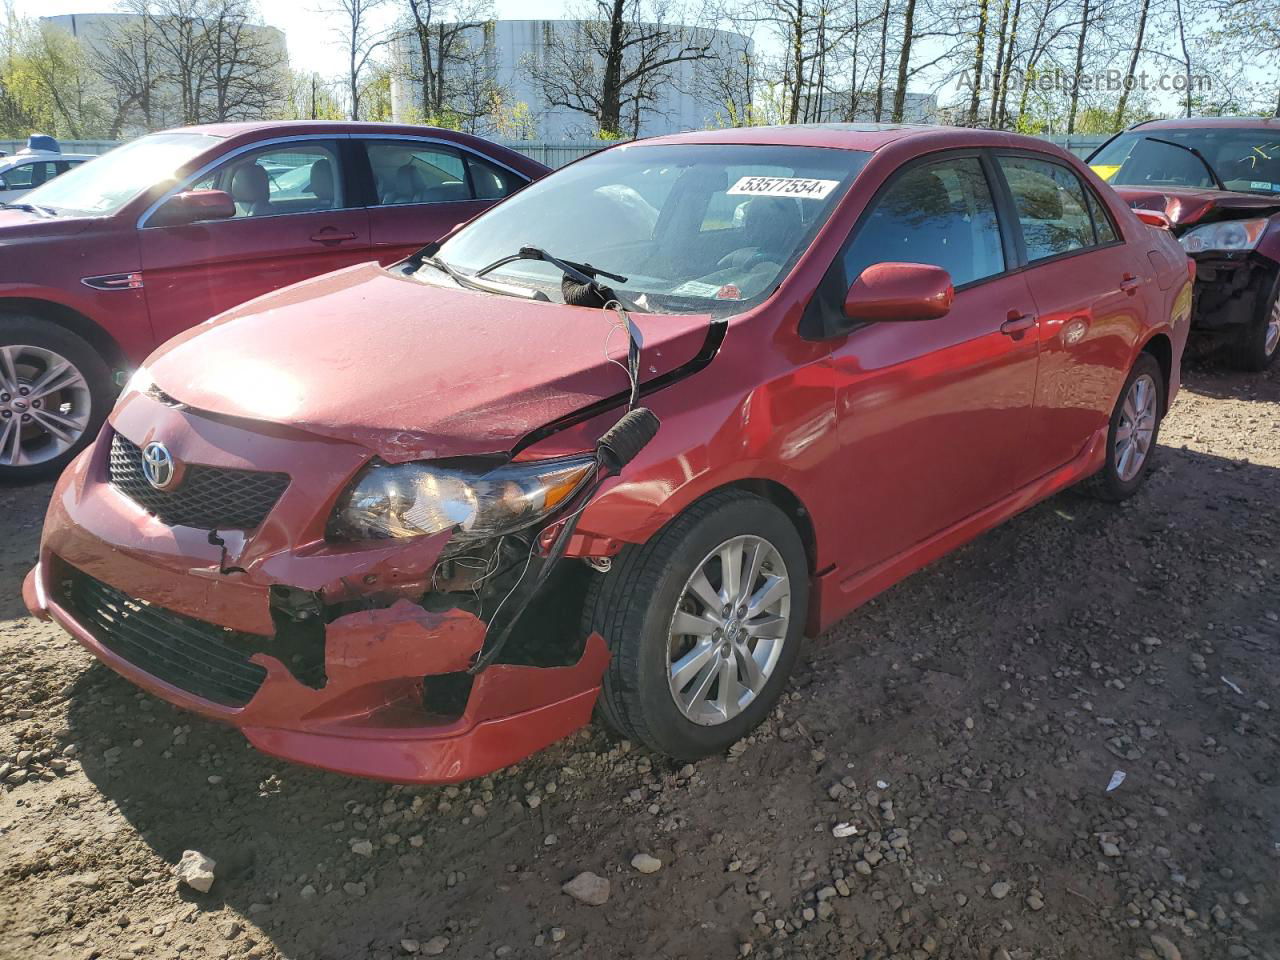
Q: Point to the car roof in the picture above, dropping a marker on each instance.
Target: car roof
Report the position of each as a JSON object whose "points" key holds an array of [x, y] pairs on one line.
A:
{"points": [[228, 130], [860, 136], [1203, 123]]}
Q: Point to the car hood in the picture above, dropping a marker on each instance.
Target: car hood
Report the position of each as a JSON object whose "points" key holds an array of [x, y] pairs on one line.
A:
{"points": [[19, 226], [1187, 207], [408, 370]]}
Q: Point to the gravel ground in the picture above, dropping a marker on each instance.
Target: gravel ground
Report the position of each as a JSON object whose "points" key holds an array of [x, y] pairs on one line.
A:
{"points": [[934, 784]]}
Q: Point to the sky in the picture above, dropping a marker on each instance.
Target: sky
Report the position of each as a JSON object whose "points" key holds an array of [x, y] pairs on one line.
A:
{"points": [[314, 46], [312, 41]]}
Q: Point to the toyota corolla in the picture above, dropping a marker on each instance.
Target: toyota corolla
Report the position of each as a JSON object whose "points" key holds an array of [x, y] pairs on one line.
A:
{"points": [[616, 444]]}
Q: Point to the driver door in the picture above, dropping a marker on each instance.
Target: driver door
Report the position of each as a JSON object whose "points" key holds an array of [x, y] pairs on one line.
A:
{"points": [[292, 222]]}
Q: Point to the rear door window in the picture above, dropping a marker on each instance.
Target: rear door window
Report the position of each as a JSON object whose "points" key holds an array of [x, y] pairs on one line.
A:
{"points": [[415, 172], [941, 214], [1051, 206]]}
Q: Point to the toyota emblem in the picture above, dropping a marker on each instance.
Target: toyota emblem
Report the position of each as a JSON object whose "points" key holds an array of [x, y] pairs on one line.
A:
{"points": [[157, 465]]}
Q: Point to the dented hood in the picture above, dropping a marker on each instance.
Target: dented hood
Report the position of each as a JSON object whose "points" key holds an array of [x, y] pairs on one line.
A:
{"points": [[1187, 207], [409, 370]]}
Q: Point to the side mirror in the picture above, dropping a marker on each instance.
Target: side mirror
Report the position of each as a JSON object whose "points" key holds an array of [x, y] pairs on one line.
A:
{"points": [[1153, 218], [900, 291], [192, 206]]}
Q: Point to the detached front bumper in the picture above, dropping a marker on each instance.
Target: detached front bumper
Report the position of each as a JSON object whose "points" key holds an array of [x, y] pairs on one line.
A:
{"points": [[171, 611]]}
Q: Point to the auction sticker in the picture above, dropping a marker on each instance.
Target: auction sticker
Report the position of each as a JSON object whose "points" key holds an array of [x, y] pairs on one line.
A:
{"points": [[802, 187]]}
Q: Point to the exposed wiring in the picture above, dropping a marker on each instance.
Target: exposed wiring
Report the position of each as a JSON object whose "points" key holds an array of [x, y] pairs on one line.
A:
{"points": [[632, 367], [533, 546]]}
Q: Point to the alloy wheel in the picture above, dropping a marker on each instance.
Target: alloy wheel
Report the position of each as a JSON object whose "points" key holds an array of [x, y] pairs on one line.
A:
{"points": [[44, 405], [1272, 338], [728, 630], [1137, 426]]}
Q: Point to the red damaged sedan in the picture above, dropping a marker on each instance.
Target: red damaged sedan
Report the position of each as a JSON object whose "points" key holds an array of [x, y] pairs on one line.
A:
{"points": [[618, 443]]}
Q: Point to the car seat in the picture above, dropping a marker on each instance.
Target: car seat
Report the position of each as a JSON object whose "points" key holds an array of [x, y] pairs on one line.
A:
{"points": [[407, 186], [321, 182], [250, 190], [770, 228]]}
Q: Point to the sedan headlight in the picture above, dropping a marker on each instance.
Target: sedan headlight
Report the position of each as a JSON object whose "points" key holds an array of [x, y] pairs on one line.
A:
{"points": [[415, 499], [1229, 236]]}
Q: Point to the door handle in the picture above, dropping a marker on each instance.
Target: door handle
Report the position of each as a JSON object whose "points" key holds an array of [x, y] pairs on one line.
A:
{"points": [[1017, 323], [329, 235], [1129, 284]]}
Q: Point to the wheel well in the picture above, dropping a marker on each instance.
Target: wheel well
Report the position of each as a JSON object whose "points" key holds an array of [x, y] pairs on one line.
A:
{"points": [[71, 320], [789, 504], [1161, 347]]}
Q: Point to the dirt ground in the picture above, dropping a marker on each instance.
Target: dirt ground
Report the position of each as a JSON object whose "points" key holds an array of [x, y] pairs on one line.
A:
{"points": [[967, 724]]}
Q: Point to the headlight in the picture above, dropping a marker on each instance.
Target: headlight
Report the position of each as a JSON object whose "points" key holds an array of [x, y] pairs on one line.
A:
{"points": [[415, 499], [1228, 236]]}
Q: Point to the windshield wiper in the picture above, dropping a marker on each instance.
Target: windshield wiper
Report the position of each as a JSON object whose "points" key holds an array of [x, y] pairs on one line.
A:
{"points": [[1195, 153], [31, 208], [583, 273], [486, 286]]}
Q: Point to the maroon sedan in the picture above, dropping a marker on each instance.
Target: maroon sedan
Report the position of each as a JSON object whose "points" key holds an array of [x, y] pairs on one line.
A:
{"points": [[1216, 181], [107, 261], [621, 440]]}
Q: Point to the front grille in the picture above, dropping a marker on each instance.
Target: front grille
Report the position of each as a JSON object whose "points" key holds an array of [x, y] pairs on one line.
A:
{"points": [[211, 498], [206, 660]]}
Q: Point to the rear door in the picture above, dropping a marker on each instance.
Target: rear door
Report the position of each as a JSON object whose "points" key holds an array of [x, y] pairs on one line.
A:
{"points": [[1088, 289], [420, 189], [294, 220], [933, 414]]}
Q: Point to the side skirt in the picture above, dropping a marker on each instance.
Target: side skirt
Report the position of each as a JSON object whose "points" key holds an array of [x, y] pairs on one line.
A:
{"points": [[839, 595]]}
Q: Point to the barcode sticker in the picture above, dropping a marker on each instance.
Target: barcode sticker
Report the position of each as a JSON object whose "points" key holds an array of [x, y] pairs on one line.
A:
{"points": [[801, 187]]}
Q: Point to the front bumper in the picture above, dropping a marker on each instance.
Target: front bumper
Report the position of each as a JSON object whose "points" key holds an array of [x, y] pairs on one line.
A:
{"points": [[373, 715], [1231, 292]]}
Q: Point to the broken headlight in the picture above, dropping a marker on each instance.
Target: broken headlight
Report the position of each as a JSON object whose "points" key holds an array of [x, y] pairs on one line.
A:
{"points": [[1228, 236], [415, 499]]}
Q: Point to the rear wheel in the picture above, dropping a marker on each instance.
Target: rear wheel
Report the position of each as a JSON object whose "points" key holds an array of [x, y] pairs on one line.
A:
{"points": [[1132, 435], [704, 623], [1258, 344], [54, 394]]}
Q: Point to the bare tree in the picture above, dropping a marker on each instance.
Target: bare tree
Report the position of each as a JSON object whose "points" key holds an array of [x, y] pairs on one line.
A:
{"points": [[246, 77], [980, 46], [362, 37], [809, 32], [612, 63], [128, 61], [455, 66], [204, 60]]}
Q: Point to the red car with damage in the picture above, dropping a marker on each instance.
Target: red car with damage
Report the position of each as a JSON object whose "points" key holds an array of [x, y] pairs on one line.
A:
{"points": [[103, 264], [1216, 181], [619, 442]]}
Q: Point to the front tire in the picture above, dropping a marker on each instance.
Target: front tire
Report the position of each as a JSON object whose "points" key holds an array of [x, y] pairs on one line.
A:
{"points": [[55, 391], [704, 623], [1258, 344], [1133, 432]]}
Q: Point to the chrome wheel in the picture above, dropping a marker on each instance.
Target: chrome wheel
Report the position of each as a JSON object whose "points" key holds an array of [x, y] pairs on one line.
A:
{"points": [[1137, 426], [728, 630], [44, 405], [1272, 338]]}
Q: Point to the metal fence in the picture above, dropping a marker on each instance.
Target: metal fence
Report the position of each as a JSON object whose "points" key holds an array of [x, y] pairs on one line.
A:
{"points": [[554, 153], [558, 153]]}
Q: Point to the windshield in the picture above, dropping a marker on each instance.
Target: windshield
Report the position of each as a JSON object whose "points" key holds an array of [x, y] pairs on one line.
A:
{"points": [[1246, 160], [101, 187], [694, 228]]}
